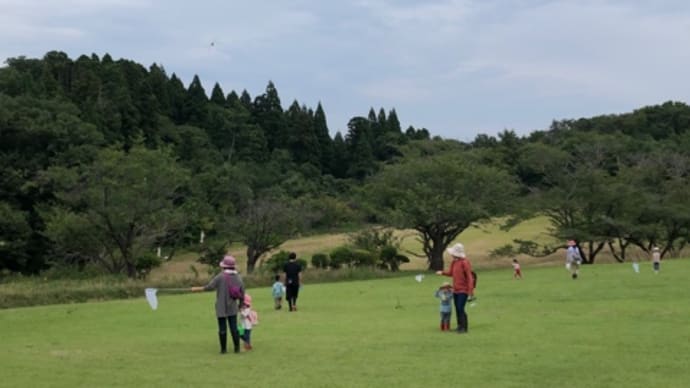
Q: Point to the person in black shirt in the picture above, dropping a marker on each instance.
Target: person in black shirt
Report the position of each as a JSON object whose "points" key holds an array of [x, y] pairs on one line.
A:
{"points": [[293, 278]]}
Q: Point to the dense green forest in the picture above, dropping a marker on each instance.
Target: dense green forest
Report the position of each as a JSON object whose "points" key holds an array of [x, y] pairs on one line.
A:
{"points": [[103, 161]]}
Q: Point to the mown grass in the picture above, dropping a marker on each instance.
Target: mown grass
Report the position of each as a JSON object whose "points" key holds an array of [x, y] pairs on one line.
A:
{"points": [[185, 271], [610, 328]]}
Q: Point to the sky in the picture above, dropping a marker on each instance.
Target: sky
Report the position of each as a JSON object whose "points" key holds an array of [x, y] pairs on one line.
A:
{"points": [[456, 67]]}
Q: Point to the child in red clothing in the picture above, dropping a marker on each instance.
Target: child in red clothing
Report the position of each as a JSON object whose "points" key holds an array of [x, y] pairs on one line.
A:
{"points": [[517, 273]]}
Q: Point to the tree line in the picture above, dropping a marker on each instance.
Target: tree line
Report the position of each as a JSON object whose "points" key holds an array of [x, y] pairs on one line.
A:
{"points": [[105, 160]]}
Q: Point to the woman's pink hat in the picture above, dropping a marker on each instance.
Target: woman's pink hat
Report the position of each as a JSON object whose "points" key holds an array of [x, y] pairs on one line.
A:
{"points": [[228, 262]]}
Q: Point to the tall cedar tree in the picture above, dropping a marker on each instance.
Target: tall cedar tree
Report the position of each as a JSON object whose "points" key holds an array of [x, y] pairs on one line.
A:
{"points": [[194, 110], [324, 138], [360, 151], [217, 95], [302, 141], [269, 116]]}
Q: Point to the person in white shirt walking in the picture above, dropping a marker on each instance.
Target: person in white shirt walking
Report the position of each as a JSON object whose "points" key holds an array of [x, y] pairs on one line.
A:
{"points": [[573, 259]]}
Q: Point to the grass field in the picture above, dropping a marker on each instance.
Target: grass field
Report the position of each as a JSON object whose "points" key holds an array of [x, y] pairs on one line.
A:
{"points": [[610, 328]]}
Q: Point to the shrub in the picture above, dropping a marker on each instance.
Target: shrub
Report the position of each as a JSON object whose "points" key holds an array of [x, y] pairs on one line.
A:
{"points": [[363, 258], [382, 245], [145, 263], [341, 256], [320, 260], [374, 239], [350, 257], [277, 261], [390, 259]]}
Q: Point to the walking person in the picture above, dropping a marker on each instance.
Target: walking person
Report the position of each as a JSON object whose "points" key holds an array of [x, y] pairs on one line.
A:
{"points": [[463, 284], [656, 259], [229, 292], [573, 259], [277, 292], [445, 294], [636, 264], [293, 280], [517, 272], [248, 319]]}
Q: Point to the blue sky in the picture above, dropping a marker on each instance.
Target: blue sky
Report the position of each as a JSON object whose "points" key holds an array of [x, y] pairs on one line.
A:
{"points": [[456, 67]]}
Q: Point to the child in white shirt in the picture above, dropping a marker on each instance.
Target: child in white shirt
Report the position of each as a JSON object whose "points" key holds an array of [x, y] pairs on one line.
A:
{"points": [[248, 318]]}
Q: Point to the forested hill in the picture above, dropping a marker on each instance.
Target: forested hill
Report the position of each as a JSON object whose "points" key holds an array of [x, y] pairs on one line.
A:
{"points": [[122, 101], [79, 136]]}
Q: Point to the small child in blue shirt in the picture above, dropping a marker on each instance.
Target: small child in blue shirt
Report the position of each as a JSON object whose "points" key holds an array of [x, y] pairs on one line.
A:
{"points": [[445, 293], [277, 291]]}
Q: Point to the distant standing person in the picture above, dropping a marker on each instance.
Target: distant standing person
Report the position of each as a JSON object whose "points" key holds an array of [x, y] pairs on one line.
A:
{"points": [[445, 294], [277, 292], [463, 284], [517, 272], [293, 280], [656, 259], [573, 259], [227, 306]]}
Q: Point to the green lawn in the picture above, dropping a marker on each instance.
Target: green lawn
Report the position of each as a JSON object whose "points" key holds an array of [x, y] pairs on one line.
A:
{"points": [[610, 328]]}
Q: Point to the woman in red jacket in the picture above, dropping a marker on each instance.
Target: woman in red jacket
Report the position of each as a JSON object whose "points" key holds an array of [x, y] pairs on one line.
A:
{"points": [[463, 283]]}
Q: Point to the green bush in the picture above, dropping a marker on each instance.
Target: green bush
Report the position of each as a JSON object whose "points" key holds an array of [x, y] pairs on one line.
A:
{"points": [[382, 245], [374, 239], [390, 259], [320, 260], [351, 257], [363, 258], [145, 263], [341, 256], [276, 262]]}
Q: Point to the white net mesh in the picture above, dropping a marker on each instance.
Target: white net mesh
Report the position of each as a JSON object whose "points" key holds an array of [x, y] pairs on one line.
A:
{"points": [[152, 298]]}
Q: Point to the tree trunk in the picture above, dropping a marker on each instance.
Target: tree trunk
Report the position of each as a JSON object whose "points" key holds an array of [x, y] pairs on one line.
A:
{"points": [[253, 256], [131, 268], [592, 251], [435, 253], [620, 257]]}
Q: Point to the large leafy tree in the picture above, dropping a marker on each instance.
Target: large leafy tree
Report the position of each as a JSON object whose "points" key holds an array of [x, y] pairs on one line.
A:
{"points": [[581, 186], [574, 189], [263, 225], [439, 197], [113, 211], [661, 216]]}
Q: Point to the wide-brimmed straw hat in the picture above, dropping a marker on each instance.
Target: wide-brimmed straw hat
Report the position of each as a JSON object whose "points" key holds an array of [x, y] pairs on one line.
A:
{"points": [[457, 250], [445, 285], [228, 262]]}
